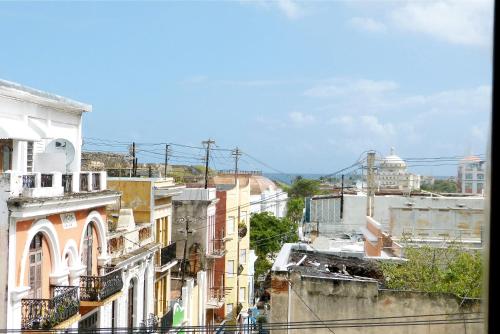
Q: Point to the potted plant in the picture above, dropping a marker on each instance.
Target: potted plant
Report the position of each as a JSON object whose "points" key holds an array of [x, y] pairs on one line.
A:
{"points": [[242, 230]]}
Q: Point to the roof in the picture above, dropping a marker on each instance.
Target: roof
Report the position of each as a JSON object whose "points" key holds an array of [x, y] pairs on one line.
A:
{"points": [[258, 183], [20, 92]]}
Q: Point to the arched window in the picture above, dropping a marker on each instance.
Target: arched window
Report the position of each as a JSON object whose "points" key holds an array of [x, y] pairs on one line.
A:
{"points": [[35, 272], [5, 156], [87, 249]]}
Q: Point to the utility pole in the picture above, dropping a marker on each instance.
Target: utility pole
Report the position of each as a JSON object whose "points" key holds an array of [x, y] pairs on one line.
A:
{"points": [[166, 158], [208, 143], [342, 199], [370, 178], [185, 254], [236, 154], [134, 160]]}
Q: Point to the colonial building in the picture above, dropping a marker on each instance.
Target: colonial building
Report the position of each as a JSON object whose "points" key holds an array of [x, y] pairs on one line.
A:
{"points": [[392, 174], [151, 202], [471, 171], [54, 266]]}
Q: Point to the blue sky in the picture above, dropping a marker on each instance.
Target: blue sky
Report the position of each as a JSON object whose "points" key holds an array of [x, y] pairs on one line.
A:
{"points": [[302, 86]]}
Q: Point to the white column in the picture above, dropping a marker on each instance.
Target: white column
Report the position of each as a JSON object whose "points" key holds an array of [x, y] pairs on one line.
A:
{"points": [[16, 294]]}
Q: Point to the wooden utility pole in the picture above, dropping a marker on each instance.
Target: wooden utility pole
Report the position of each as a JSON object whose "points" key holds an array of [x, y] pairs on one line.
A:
{"points": [[342, 199], [208, 143], [236, 154], [370, 179], [134, 161], [185, 254], [166, 158]]}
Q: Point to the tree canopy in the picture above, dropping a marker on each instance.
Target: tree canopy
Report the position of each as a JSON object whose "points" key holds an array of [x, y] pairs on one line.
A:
{"points": [[428, 269], [267, 236], [441, 186]]}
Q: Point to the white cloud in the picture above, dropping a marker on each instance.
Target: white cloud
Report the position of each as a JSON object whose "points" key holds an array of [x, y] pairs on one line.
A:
{"points": [[301, 119], [372, 124], [342, 120], [367, 24], [339, 87], [290, 8], [454, 21], [197, 79]]}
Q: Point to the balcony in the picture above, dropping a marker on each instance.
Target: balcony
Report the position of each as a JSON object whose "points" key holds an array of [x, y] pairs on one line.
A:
{"points": [[19, 184], [50, 313], [166, 258], [94, 290], [215, 298], [216, 249]]}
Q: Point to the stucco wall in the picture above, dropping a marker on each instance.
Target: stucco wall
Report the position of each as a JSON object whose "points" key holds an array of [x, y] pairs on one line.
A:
{"points": [[334, 299]]}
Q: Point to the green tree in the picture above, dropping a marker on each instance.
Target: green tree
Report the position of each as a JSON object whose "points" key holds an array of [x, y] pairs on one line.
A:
{"points": [[304, 187], [267, 236], [294, 209], [441, 186], [428, 269]]}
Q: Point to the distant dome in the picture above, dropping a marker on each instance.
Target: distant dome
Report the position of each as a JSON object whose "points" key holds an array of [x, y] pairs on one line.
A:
{"points": [[259, 184], [393, 160]]}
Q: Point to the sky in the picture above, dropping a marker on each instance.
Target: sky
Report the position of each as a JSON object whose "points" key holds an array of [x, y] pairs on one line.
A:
{"points": [[303, 87]]}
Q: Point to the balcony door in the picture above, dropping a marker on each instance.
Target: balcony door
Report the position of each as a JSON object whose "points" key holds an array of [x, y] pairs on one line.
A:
{"points": [[35, 272], [131, 302], [88, 241]]}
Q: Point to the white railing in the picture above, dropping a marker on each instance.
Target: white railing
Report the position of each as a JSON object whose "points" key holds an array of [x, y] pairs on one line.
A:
{"points": [[19, 184]]}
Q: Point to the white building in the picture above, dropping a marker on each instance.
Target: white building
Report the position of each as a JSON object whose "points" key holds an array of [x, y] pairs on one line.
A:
{"points": [[393, 174], [53, 266], [471, 171]]}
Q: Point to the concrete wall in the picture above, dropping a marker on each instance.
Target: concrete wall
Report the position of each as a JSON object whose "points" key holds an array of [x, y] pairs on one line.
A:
{"points": [[327, 213], [334, 299]]}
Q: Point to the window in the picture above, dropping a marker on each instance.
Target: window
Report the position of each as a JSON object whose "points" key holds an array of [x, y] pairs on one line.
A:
{"points": [[5, 155], [480, 176], [35, 273], [243, 256], [229, 309], [230, 225], [468, 187], [29, 157], [468, 176], [230, 268], [480, 187], [242, 294]]}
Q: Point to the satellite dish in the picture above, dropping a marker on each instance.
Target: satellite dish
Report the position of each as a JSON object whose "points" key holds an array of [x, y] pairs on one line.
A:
{"points": [[61, 145]]}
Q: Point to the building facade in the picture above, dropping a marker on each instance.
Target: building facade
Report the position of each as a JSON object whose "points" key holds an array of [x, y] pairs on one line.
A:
{"points": [[54, 274], [470, 176], [151, 202]]}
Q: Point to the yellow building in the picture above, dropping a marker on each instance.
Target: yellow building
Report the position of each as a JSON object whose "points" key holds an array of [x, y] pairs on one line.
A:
{"points": [[151, 200], [237, 286]]}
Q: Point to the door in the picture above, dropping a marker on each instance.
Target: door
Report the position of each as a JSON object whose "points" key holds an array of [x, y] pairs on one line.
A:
{"points": [[35, 272]]}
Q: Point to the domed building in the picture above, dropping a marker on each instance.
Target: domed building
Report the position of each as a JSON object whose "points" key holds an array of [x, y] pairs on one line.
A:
{"points": [[393, 174]]}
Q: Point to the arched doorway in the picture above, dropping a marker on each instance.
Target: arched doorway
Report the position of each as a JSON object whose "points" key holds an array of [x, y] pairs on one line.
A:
{"points": [[87, 253], [131, 302]]}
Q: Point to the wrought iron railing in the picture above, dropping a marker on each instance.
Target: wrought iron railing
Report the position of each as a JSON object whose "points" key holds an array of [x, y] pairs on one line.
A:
{"points": [[84, 182], [48, 313], [167, 254], [216, 247], [67, 183], [96, 181], [98, 288], [29, 181], [46, 180], [216, 294]]}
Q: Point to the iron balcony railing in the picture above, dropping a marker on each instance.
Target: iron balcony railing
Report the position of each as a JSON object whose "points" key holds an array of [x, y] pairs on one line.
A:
{"points": [[96, 181], [29, 181], [67, 183], [84, 182], [98, 288], [46, 180], [167, 254], [48, 313]]}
